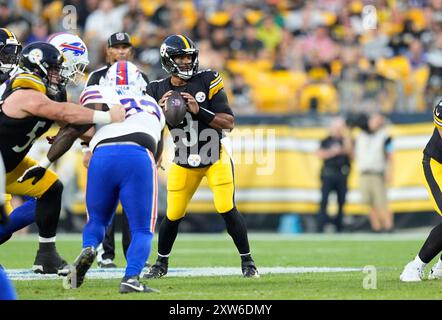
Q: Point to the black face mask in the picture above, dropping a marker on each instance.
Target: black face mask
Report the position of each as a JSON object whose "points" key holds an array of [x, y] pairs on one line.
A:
{"points": [[9, 54]]}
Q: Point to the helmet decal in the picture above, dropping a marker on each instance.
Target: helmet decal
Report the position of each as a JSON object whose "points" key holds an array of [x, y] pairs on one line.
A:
{"points": [[35, 55], [76, 47], [122, 78]]}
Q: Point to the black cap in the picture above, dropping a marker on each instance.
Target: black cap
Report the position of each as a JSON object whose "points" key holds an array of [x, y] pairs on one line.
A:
{"points": [[119, 38]]}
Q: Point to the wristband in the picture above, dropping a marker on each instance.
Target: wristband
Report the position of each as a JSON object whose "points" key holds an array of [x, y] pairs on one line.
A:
{"points": [[205, 115], [45, 163], [85, 149], [102, 117]]}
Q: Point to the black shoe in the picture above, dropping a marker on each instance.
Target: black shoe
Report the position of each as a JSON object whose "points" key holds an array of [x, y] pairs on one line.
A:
{"points": [[49, 262], [76, 275], [133, 284], [158, 270], [249, 269]]}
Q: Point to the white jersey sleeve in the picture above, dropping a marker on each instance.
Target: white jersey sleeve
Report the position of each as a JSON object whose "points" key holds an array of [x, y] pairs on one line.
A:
{"points": [[142, 113]]}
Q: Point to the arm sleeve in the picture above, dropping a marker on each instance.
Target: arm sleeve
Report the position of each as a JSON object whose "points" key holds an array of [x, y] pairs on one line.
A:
{"points": [[93, 79], [220, 104], [148, 88]]}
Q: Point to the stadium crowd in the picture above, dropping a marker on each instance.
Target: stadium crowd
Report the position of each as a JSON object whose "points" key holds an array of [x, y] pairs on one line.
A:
{"points": [[319, 56]]}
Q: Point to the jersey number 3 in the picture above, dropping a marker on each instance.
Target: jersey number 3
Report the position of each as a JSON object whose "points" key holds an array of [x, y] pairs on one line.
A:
{"points": [[32, 135]]}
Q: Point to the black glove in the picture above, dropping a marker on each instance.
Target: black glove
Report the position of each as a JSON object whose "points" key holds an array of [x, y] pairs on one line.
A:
{"points": [[35, 172], [3, 215]]}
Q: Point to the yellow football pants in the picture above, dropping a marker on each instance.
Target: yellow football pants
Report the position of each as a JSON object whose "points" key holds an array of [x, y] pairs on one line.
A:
{"points": [[183, 182], [26, 188], [433, 182]]}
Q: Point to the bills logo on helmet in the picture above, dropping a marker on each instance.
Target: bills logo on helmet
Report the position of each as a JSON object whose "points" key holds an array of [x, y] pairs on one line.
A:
{"points": [[76, 47]]}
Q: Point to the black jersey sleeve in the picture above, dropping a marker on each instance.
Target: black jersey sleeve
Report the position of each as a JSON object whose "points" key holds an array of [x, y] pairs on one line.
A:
{"points": [[147, 89], [217, 97]]}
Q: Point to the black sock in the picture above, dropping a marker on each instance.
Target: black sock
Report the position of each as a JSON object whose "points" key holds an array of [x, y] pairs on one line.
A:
{"points": [[433, 244], [46, 246], [236, 227], [167, 235], [47, 212]]}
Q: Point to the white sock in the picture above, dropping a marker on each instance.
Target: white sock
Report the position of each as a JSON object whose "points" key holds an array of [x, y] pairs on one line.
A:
{"points": [[419, 262], [46, 240]]}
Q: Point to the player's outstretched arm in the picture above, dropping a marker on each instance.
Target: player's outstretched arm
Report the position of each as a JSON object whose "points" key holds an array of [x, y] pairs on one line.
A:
{"points": [[37, 104]]}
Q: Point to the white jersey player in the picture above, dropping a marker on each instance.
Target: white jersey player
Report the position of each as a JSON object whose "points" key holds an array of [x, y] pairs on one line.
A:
{"points": [[122, 167]]}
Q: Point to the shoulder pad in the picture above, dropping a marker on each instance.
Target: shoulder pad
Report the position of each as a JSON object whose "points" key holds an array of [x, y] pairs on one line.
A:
{"points": [[216, 82], [28, 81]]}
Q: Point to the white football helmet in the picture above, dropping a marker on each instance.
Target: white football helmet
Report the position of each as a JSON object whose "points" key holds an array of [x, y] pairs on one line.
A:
{"points": [[75, 53], [125, 75]]}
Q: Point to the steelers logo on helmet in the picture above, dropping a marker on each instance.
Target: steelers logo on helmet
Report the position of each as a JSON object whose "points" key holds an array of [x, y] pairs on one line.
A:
{"points": [[35, 55], [163, 49]]}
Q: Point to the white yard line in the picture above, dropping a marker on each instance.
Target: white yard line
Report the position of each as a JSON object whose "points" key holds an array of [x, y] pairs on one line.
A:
{"points": [[27, 275]]}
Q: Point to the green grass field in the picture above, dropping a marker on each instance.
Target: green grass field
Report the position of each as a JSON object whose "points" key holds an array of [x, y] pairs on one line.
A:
{"points": [[388, 253]]}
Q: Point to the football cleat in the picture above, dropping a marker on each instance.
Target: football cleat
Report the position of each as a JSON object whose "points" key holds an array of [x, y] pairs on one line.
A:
{"points": [[106, 263], [435, 273], [249, 269], [133, 284], [158, 270], [50, 262], [78, 271], [412, 273]]}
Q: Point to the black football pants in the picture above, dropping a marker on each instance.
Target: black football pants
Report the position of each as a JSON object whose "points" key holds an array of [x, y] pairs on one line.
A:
{"points": [[337, 183]]}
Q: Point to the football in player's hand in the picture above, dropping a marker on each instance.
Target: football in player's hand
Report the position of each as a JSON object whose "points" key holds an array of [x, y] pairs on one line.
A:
{"points": [[175, 109]]}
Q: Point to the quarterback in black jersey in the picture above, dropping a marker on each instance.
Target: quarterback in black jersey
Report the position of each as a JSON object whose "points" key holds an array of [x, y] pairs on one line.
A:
{"points": [[26, 112], [432, 165], [199, 151]]}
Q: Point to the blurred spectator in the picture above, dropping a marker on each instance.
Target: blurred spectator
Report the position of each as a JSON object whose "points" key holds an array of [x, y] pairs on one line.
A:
{"points": [[310, 37], [415, 54], [319, 44], [336, 151], [375, 45], [100, 24], [242, 102], [250, 46], [373, 153], [162, 15], [269, 32], [434, 87], [39, 32]]}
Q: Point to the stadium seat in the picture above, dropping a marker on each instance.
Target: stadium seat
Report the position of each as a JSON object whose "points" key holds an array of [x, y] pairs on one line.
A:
{"points": [[396, 68], [319, 96], [275, 91]]}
